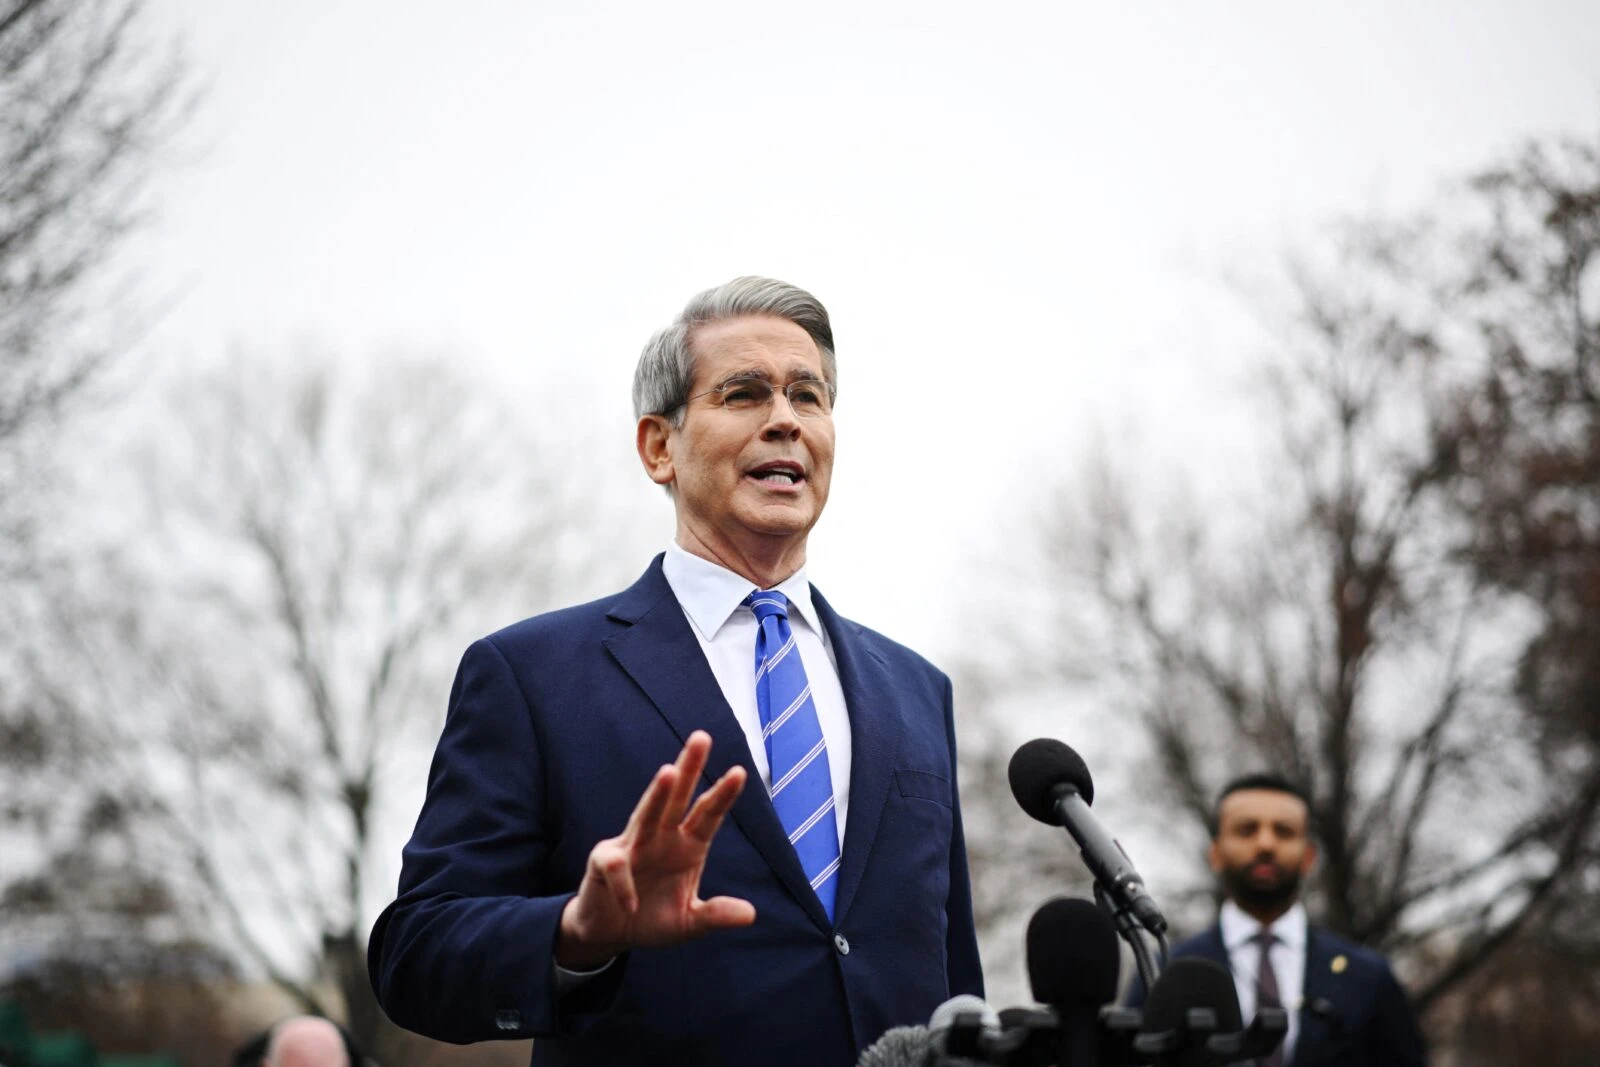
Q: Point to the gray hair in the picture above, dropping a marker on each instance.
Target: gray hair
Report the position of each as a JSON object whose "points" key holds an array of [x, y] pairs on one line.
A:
{"points": [[665, 373]]}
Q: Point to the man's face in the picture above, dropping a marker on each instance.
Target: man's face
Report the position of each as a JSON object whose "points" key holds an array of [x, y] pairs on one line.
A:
{"points": [[1262, 851], [726, 465]]}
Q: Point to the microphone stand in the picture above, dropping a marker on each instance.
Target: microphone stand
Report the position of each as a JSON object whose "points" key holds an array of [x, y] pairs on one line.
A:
{"points": [[1128, 926], [1197, 1042]]}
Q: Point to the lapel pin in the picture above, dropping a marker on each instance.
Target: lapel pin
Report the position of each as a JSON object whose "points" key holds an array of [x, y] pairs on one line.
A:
{"points": [[1339, 964]]}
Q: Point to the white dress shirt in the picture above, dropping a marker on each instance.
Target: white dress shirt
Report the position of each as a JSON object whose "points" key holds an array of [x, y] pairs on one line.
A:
{"points": [[713, 598], [1288, 955]]}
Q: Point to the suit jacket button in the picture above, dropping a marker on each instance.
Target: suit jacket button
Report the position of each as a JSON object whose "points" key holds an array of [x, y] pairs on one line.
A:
{"points": [[841, 944]]}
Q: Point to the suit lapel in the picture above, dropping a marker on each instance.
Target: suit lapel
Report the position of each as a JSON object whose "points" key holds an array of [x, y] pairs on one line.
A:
{"points": [[1211, 946], [875, 730], [660, 653]]}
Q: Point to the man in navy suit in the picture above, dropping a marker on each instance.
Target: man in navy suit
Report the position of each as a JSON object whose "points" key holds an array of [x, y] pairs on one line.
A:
{"points": [[1345, 1007], [564, 882]]}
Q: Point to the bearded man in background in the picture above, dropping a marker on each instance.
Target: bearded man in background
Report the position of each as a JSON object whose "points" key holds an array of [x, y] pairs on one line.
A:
{"points": [[1344, 1005]]}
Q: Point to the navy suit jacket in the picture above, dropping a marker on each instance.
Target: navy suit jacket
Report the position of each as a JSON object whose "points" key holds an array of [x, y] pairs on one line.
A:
{"points": [[1354, 1013], [555, 727]]}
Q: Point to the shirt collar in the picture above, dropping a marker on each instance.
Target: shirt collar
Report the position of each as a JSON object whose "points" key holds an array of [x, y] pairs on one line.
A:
{"points": [[1239, 929], [710, 593]]}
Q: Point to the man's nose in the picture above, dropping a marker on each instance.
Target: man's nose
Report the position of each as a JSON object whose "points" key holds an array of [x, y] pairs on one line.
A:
{"points": [[781, 420]]}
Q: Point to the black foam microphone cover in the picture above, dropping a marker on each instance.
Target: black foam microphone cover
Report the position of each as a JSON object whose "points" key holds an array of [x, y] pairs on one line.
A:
{"points": [[1192, 982], [1073, 957], [1038, 769]]}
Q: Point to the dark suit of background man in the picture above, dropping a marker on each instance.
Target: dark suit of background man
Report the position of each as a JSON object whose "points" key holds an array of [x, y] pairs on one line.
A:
{"points": [[561, 885], [1345, 1007]]}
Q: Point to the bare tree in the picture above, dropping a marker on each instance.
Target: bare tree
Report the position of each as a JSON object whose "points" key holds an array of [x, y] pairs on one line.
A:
{"points": [[318, 550], [1530, 492], [86, 102], [1365, 624]]}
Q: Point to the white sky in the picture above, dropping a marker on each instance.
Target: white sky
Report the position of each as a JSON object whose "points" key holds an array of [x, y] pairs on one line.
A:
{"points": [[1017, 217], [1018, 213]]}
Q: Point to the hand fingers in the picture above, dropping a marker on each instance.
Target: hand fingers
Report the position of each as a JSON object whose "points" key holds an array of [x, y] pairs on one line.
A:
{"points": [[705, 818], [646, 817], [610, 860], [691, 761], [721, 913]]}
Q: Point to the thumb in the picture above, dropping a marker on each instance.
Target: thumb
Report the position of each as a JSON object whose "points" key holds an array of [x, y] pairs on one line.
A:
{"points": [[721, 913]]}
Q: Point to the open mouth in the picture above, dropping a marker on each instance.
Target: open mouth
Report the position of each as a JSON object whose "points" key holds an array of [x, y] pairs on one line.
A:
{"points": [[780, 475]]}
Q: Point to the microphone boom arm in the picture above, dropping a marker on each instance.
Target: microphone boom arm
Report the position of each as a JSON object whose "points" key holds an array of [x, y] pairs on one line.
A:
{"points": [[1106, 860], [1128, 926]]}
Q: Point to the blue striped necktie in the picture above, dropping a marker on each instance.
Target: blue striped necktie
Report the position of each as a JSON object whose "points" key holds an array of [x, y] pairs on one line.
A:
{"points": [[797, 754]]}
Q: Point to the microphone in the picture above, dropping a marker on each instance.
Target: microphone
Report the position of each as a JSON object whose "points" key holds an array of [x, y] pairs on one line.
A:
{"points": [[1193, 999], [1052, 784], [1192, 1019], [960, 1027], [1073, 964], [900, 1046], [1323, 1007], [1072, 954], [964, 1026], [946, 1014], [1028, 1037]]}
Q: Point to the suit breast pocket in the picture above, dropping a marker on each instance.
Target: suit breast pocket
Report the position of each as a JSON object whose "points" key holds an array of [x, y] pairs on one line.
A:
{"points": [[913, 858], [924, 785], [921, 819]]}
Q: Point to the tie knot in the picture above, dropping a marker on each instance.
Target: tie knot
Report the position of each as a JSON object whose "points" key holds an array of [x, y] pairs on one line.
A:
{"points": [[767, 603], [1265, 937]]}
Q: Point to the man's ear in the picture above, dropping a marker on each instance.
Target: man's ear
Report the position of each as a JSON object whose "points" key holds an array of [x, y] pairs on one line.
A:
{"points": [[1309, 860], [1214, 857], [654, 441]]}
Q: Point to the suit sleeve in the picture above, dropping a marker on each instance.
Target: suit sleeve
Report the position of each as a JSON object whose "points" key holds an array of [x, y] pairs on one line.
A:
{"points": [[466, 951], [1394, 1039], [965, 972]]}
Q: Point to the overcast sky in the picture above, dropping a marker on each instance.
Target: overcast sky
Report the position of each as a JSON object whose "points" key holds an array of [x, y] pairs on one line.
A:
{"points": [[1018, 217], [1017, 212]]}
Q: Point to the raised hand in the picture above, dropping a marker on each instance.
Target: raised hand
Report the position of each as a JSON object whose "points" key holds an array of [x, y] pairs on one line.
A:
{"points": [[642, 888]]}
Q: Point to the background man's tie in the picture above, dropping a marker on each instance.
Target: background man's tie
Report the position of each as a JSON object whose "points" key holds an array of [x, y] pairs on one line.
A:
{"points": [[802, 788], [1267, 995]]}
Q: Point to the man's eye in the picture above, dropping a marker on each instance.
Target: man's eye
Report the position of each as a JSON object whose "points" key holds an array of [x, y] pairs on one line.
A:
{"points": [[744, 394], [808, 395]]}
